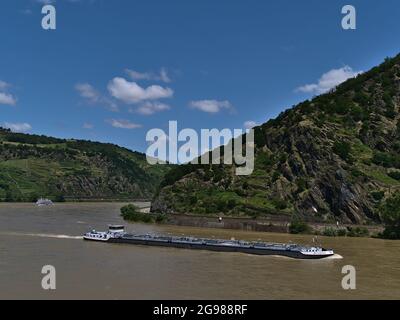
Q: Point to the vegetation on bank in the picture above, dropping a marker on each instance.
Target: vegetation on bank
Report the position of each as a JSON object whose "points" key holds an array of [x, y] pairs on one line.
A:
{"points": [[390, 213], [133, 214], [298, 226], [352, 232]]}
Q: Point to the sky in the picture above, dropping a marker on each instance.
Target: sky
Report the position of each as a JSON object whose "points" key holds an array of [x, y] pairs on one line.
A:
{"points": [[114, 69]]}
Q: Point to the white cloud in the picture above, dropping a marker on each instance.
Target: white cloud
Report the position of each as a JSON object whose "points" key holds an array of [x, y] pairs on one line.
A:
{"points": [[4, 85], [5, 97], [88, 92], [45, 1], [164, 76], [148, 108], [26, 11], [250, 124], [210, 106], [137, 76], [131, 92], [329, 80], [18, 127], [8, 99], [87, 126], [123, 124]]}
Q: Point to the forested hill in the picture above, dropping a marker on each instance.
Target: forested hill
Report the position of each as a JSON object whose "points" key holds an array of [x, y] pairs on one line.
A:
{"points": [[336, 157], [33, 166]]}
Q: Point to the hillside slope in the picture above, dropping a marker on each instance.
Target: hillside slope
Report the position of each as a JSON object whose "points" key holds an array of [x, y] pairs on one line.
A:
{"points": [[335, 157], [32, 166]]}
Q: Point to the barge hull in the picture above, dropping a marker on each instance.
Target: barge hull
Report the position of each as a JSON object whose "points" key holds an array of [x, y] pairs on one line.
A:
{"points": [[218, 248]]}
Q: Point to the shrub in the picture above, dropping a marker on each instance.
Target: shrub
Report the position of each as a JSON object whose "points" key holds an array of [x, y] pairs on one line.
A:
{"points": [[33, 197], [265, 160], [386, 160], [231, 204], [279, 204], [358, 113], [357, 173], [378, 195], [299, 227], [394, 174], [390, 213], [390, 233], [259, 137], [132, 213], [358, 232], [361, 98], [161, 218], [342, 149], [283, 158], [333, 232], [193, 200], [302, 185], [276, 175], [341, 106], [329, 232]]}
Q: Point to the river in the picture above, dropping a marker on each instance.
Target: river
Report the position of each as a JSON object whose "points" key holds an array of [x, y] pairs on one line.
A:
{"points": [[31, 237]]}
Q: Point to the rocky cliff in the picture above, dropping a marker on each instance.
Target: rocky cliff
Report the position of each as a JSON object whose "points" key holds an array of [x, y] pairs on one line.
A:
{"points": [[335, 157]]}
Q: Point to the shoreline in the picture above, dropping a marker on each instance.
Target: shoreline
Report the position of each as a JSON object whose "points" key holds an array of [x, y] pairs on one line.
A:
{"points": [[84, 200], [269, 224]]}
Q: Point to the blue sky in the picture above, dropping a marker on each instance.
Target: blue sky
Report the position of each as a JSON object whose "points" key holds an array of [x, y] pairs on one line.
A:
{"points": [[113, 69]]}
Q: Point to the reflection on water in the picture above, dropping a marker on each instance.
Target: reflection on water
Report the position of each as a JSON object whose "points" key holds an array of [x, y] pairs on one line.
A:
{"points": [[32, 237]]}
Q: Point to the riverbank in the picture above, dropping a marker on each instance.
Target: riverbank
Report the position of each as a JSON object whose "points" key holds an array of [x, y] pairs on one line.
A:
{"points": [[275, 224], [270, 223]]}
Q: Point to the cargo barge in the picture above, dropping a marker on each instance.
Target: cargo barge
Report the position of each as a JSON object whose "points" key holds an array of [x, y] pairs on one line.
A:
{"points": [[117, 234]]}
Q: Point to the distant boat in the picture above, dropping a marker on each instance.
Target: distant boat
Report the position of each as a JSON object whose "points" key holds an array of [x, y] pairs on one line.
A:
{"points": [[44, 202]]}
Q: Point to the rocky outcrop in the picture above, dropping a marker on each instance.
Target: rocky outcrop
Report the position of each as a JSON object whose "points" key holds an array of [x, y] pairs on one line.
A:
{"points": [[329, 159]]}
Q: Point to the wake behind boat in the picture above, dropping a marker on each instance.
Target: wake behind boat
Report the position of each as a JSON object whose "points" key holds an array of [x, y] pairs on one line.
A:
{"points": [[117, 234]]}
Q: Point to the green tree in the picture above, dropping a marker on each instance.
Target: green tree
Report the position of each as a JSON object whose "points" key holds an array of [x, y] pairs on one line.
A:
{"points": [[33, 197], [298, 226], [132, 213], [343, 150], [390, 213], [9, 197]]}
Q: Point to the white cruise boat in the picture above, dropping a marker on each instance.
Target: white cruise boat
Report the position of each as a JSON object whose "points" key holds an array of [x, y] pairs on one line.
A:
{"points": [[44, 202]]}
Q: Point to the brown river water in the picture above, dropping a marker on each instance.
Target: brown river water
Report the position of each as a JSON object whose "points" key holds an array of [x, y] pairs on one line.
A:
{"points": [[31, 237]]}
